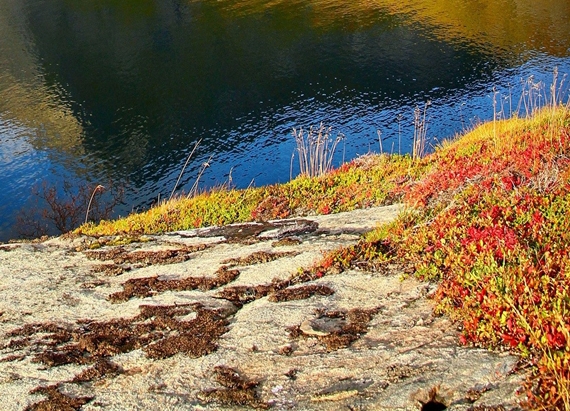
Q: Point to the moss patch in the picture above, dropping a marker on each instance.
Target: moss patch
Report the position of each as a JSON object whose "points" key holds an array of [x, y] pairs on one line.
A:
{"points": [[354, 325], [157, 330], [148, 286], [259, 257], [301, 293], [237, 389], [145, 258], [56, 401]]}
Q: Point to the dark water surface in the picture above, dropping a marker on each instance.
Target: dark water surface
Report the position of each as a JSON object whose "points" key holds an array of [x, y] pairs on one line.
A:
{"points": [[93, 91]]}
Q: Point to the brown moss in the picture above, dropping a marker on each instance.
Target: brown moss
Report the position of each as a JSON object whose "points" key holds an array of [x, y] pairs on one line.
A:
{"points": [[120, 255], [21, 337], [101, 369], [258, 257], [89, 285], [295, 331], [11, 358], [157, 330], [67, 355], [301, 293], [196, 337], [56, 401], [110, 269], [287, 241], [244, 294], [35, 328], [292, 374], [286, 350], [140, 287], [355, 326], [16, 343], [148, 286], [237, 389]]}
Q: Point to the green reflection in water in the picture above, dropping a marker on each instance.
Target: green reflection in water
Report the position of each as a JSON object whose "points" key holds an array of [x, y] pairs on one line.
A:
{"points": [[95, 63], [113, 87], [501, 24]]}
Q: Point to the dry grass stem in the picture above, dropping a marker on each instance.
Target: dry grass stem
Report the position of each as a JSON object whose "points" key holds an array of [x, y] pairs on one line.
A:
{"points": [[420, 132], [316, 150], [184, 168]]}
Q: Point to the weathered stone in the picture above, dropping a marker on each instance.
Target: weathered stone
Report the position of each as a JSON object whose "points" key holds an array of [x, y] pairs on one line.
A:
{"points": [[356, 340]]}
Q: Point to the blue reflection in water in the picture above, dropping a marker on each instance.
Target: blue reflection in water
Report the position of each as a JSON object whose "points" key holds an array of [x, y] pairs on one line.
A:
{"points": [[99, 91]]}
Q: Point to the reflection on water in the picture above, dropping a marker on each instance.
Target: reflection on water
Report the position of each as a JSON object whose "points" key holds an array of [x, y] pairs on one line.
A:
{"points": [[98, 90], [504, 25]]}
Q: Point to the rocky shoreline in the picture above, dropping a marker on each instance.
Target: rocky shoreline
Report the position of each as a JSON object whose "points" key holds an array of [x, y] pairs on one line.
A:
{"points": [[222, 318]]}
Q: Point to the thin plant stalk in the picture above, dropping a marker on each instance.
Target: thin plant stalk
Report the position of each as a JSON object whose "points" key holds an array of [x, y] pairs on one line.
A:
{"points": [[420, 132], [99, 186], [495, 92], [400, 117], [184, 168], [315, 150], [194, 188]]}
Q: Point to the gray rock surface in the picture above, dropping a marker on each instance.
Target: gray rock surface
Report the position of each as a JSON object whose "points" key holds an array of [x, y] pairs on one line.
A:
{"points": [[234, 332]]}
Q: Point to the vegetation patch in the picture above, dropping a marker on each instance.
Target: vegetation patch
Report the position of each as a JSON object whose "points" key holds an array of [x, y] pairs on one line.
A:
{"points": [[259, 257], [157, 330], [237, 389], [301, 293], [364, 182], [56, 400], [240, 295], [353, 324], [120, 255], [102, 368], [287, 241], [278, 289], [148, 286], [491, 224], [109, 241], [111, 269]]}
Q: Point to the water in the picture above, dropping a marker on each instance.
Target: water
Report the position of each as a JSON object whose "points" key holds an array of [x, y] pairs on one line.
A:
{"points": [[108, 90]]}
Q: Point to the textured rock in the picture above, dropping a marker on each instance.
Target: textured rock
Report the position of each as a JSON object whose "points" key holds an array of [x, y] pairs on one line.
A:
{"points": [[357, 340]]}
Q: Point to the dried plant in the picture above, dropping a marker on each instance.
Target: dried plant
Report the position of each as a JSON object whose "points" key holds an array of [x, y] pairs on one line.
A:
{"points": [[184, 167], [194, 190], [63, 209], [316, 149], [420, 132]]}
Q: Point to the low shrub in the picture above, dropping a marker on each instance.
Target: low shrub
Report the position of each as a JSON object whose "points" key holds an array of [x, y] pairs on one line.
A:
{"points": [[491, 225]]}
